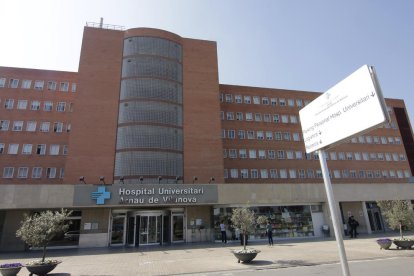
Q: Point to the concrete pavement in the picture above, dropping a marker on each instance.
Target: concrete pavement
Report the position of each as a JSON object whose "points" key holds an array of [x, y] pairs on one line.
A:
{"points": [[207, 257]]}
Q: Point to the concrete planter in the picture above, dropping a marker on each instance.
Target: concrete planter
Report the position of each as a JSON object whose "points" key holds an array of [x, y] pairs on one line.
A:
{"points": [[10, 271], [245, 257], [404, 244], [41, 269]]}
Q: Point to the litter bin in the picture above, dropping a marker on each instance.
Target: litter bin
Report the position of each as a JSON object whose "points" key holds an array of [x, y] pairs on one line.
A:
{"points": [[325, 230]]}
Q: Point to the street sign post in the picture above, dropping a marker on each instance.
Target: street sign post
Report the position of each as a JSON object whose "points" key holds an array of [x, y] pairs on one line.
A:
{"points": [[352, 107]]}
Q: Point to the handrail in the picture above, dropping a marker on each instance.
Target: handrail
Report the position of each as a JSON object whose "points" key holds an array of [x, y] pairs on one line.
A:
{"points": [[105, 26]]}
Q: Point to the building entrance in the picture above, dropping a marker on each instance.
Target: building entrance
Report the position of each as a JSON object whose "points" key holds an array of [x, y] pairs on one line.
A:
{"points": [[374, 217]]}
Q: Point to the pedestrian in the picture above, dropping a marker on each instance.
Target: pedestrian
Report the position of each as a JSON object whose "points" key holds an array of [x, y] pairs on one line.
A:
{"points": [[269, 232], [353, 224], [223, 232]]}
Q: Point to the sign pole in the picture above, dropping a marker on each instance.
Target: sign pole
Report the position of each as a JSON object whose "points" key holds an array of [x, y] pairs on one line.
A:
{"points": [[334, 213]]}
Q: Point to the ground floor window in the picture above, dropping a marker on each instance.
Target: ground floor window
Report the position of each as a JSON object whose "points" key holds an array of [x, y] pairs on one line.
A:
{"points": [[286, 221]]}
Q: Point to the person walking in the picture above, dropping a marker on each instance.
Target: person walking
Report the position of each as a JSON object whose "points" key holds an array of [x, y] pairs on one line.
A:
{"points": [[353, 224], [269, 232], [223, 232]]}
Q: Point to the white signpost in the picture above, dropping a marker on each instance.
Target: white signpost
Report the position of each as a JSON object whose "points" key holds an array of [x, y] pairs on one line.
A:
{"points": [[352, 107]]}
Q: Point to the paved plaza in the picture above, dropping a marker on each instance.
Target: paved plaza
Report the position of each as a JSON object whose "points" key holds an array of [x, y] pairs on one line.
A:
{"points": [[208, 258]]}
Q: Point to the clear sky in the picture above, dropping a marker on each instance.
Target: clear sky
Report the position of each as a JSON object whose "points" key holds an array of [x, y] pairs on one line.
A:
{"points": [[290, 44]]}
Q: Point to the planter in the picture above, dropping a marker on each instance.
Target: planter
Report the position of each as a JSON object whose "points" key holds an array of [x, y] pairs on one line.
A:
{"points": [[10, 271], [404, 244], [245, 257], [41, 269], [384, 243]]}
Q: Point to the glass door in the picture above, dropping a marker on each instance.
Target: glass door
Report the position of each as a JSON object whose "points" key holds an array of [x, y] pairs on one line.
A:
{"points": [[149, 229], [177, 228], [118, 230]]}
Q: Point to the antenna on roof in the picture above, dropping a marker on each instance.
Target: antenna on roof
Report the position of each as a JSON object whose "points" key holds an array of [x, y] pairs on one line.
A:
{"points": [[101, 23]]}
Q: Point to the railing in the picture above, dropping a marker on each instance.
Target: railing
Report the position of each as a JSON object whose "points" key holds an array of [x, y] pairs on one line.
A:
{"points": [[105, 26]]}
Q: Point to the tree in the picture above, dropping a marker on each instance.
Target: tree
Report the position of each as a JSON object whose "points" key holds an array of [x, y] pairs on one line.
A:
{"points": [[39, 229], [245, 220], [398, 213]]}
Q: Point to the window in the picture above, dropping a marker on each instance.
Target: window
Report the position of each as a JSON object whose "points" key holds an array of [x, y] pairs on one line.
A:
{"points": [[283, 173], [337, 173], [38, 85], [17, 126], [244, 173], [341, 156], [271, 154], [247, 99], [254, 173], [252, 154], [302, 173], [310, 174], [4, 125], [226, 174], [380, 156], [231, 134], [258, 117], [368, 139], [234, 173], [285, 119], [361, 174], [44, 127], [397, 140], [13, 83], [402, 157], [68, 127], [318, 174], [298, 155], [293, 119], [369, 174], [407, 174], [73, 87], [239, 116], [8, 104], [383, 140], [61, 173], [8, 172], [361, 139], [269, 135], [376, 140], [21, 104], [229, 98], [13, 148], [224, 153], [276, 118], [260, 135], [249, 116], [299, 102], [291, 102], [222, 115], [289, 154], [27, 149], [296, 136], [388, 156], [345, 173], [2, 82], [377, 174], [391, 140], [51, 85], [48, 106], [51, 173], [273, 101], [64, 86], [354, 140], [22, 172], [349, 156], [230, 116], [282, 102], [357, 156], [242, 153], [54, 150], [280, 154], [392, 174], [238, 99], [57, 127], [241, 134], [278, 136], [265, 100], [60, 107], [1, 148], [41, 149], [352, 174], [373, 156], [37, 172], [286, 136], [31, 126], [263, 173], [232, 153], [35, 105], [273, 173], [365, 156], [256, 100], [262, 154], [266, 118], [250, 134], [292, 173], [395, 156], [26, 84]]}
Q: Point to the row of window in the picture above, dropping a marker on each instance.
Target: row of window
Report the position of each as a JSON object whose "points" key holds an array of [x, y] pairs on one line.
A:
{"points": [[299, 155], [268, 118], [31, 126], [239, 99], [295, 136], [294, 173], [37, 84], [40, 149], [36, 172], [36, 105]]}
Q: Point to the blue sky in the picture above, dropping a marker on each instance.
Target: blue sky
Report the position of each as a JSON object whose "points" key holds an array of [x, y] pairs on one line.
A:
{"points": [[301, 45]]}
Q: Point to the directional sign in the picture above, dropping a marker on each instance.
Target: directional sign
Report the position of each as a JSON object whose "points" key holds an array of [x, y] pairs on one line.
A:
{"points": [[353, 106]]}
